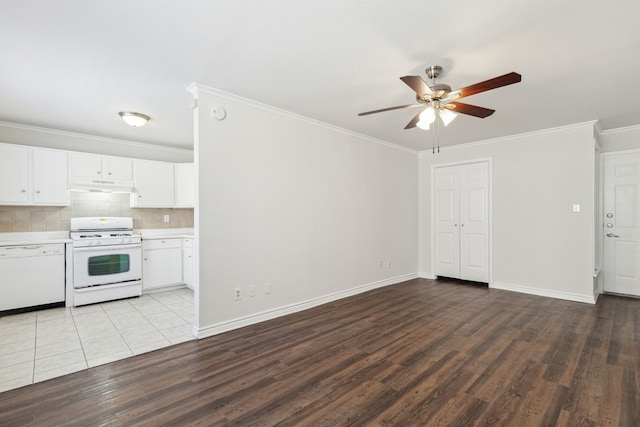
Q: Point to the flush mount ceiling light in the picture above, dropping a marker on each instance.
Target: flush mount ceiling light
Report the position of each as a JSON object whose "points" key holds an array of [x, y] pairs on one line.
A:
{"points": [[134, 119]]}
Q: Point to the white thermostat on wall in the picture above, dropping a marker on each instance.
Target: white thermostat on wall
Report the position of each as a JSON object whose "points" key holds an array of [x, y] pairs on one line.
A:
{"points": [[218, 113]]}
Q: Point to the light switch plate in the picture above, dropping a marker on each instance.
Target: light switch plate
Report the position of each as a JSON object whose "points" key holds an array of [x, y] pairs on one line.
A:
{"points": [[576, 208]]}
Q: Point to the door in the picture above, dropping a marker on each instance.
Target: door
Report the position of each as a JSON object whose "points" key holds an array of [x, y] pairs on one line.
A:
{"points": [[162, 263], [93, 266], [621, 228], [461, 221], [154, 182], [117, 168], [86, 166], [50, 177], [14, 174]]}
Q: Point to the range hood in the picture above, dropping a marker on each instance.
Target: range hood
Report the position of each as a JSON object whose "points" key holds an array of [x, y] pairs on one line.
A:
{"points": [[104, 185]]}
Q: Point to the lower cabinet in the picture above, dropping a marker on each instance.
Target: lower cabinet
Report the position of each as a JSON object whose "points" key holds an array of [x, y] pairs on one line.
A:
{"points": [[187, 262], [161, 263]]}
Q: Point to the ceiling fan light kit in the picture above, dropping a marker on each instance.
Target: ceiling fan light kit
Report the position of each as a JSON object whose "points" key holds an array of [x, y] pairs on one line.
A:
{"points": [[438, 97]]}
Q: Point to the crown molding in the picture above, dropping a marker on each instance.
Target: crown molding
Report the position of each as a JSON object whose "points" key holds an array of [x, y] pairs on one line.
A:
{"points": [[517, 136], [196, 88], [122, 142], [633, 128]]}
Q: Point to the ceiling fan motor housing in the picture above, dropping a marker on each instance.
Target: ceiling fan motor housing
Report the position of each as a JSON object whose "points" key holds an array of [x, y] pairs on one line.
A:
{"points": [[438, 91], [433, 71]]}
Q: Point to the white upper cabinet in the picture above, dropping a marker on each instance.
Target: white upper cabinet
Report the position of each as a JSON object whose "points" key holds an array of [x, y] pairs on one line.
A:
{"points": [[154, 184], [14, 174], [93, 171], [33, 176], [86, 166], [117, 168], [50, 177], [185, 185]]}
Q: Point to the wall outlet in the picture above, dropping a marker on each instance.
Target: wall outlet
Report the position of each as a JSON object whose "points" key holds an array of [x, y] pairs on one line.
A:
{"points": [[237, 294], [267, 288], [165, 218], [388, 264], [252, 291]]}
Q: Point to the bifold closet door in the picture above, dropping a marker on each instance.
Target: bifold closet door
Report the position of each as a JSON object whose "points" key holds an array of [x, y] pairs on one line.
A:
{"points": [[461, 223]]}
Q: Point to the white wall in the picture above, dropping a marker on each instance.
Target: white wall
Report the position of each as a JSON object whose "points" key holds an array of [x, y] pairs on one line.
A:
{"points": [[304, 206], [13, 133], [539, 245]]}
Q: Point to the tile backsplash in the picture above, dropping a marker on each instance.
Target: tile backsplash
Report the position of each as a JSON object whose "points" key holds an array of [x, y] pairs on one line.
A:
{"points": [[58, 218]]}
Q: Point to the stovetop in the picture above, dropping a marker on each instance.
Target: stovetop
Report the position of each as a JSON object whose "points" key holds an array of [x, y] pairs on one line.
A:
{"points": [[102, 231]]}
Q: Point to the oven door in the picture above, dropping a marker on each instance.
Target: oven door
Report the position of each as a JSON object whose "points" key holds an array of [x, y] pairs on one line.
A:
{"points": [[94, 266]]}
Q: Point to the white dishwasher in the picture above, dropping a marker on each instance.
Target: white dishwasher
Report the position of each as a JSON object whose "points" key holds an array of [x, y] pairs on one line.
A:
{"points": [[31, 275]]}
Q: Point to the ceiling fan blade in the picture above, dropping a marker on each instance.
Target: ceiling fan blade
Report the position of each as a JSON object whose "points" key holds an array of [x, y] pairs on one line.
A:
{"points": [[471, 110], [399, 107], [417, 84], [494, 83], [413, 121]]}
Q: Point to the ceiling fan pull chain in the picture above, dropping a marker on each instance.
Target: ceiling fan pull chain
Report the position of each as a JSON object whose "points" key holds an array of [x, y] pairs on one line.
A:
{"points": [[433, 144], [438, 126]]}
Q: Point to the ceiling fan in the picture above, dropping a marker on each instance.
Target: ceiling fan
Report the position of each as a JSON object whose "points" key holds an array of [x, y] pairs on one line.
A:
{"points": [[440, 99]]}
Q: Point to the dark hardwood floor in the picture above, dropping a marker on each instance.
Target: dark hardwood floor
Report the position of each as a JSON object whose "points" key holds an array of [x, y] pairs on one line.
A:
{"points": [[413, 354]]}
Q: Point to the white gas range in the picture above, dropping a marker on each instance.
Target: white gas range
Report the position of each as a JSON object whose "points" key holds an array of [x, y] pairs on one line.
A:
{"points": [[107, 259]]}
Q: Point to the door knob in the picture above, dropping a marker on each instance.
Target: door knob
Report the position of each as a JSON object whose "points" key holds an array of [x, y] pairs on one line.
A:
{"points": [[612, 235]]}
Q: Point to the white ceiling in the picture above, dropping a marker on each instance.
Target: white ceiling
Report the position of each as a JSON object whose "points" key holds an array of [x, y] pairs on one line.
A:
{"points": [[73, 64]]}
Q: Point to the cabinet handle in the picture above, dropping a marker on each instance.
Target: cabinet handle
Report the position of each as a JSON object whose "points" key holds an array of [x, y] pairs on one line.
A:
{"points": [[38, 191], [23, 191], [145, 259], [109, 173], [139, 196], [99, 173]]}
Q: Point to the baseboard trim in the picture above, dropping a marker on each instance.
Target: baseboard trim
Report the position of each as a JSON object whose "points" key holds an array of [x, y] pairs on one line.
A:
{"points": [[252, 319], [424, 275], [589, 299]]}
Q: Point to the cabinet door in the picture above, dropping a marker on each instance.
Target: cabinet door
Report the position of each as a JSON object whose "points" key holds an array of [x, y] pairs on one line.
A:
{"points": [[86, 166], [50, 177], [187, 266], [14, 174], [162, 266], [154, 184], [117, 168], [185, 185]]}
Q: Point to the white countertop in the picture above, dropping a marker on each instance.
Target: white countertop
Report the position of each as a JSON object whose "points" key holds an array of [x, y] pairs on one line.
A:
{"points": [[50, 237], [164, 233], [34, 238]]}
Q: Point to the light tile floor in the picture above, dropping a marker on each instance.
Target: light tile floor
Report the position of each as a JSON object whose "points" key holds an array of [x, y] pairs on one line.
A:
{"points": [[39, 345]]}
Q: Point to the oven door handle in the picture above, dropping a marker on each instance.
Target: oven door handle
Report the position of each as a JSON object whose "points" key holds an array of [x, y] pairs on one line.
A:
{"points": [[107, 248]]}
